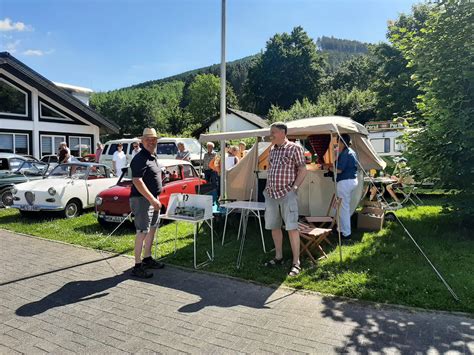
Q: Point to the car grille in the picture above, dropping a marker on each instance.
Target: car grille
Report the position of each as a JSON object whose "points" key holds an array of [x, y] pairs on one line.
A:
{"points": [[30, 197]]}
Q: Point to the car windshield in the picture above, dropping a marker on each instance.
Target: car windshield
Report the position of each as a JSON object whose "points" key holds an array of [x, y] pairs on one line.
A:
{"points": [[192, 145], [67, 170], [168, 148], [32, 168], [126, 176]]}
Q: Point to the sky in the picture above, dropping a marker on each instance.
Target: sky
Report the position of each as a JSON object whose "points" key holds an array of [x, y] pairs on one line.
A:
{"points": [[109, 44]]}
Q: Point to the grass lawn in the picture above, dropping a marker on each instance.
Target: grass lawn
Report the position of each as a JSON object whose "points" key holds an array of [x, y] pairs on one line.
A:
{"points": [[384, 267]]}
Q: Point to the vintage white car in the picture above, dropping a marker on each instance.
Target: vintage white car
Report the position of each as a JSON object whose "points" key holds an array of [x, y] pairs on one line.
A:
{"points": [[69, 188]]}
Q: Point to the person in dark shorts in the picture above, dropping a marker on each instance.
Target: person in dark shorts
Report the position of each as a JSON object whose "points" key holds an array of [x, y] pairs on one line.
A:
{"points": [[144, 203]]}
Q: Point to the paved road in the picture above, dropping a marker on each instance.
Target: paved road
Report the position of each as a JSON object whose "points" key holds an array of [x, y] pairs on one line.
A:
{"points": [[58, 298]]}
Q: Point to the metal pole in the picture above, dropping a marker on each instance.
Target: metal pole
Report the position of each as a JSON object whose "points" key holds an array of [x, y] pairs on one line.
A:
{"points": [[338, 217], [223, 109]]}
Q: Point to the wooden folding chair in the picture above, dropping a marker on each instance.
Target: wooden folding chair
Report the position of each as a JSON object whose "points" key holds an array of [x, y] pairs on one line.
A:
{"points": [[315, 230]]}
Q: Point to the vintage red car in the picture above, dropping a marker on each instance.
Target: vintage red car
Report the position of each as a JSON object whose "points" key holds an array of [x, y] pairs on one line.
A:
{"points": [[112, 205]]}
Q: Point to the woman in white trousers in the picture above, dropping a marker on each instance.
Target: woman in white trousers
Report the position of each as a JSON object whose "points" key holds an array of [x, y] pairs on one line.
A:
{"points": [[346, 183]]}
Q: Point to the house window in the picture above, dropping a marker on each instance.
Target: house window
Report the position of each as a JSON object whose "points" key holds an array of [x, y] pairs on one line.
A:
{"points": [[381, 145], [13, 101], [17, 143], [49, 112], [50, 144], [80, 146]]}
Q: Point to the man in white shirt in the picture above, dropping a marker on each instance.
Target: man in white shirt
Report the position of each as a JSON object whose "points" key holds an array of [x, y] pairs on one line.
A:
{"points": [[136, 148], [119, 160]]}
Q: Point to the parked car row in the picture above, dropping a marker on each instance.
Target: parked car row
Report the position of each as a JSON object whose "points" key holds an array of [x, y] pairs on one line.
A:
{"points": [[72, 187]]}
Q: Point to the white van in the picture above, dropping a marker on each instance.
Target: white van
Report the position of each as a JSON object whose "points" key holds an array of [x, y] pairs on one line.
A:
{"points": [[111, 147], [167, 149]]}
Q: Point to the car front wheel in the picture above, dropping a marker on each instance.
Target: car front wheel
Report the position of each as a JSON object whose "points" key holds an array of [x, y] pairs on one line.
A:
{"points": [[6, 198], [73, 209]]}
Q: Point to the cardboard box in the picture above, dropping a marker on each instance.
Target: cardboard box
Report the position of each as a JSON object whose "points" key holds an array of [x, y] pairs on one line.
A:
{"points": [[370, 218], [377, 204]]}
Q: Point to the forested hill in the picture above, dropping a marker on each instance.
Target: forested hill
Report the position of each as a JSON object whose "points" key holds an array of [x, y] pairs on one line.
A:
{"points": [[336, 50]]}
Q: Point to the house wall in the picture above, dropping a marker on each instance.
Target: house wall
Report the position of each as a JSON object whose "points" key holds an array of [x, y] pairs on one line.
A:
{"points": [[234, 123], [33, 125]]}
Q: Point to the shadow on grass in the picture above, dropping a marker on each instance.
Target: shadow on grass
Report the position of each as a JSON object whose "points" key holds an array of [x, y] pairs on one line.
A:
{"points": [[387, 267]]}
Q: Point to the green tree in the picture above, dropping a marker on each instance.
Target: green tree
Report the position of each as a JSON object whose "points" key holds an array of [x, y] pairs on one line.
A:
{"points": [[357, 72], [133, 109], [357, 104], [396, 91], [290, 69], [204, 97], [441, 54]]}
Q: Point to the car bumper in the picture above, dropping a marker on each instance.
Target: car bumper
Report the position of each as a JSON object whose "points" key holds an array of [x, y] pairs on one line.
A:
{"points": [[38, 208], [114, 219]]}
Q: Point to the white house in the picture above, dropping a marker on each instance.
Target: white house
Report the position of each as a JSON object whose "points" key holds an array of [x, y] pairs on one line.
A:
{"points": [[384, 136], [36, 114], [237, 120]]}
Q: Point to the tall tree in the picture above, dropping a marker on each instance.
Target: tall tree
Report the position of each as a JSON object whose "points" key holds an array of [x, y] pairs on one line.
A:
{"points": [[290, 69], [204, 97], [357, 72], [442, 55]]}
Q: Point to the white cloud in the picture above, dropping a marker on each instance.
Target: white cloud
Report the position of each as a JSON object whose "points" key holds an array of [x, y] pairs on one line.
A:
{"points": [[11, 47], [8, 25], [37, 52], [34, 52]]}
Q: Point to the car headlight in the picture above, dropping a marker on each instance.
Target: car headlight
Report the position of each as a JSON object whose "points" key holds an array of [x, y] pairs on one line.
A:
{"points": [[52, 191], [14, 191], [98, 201]]}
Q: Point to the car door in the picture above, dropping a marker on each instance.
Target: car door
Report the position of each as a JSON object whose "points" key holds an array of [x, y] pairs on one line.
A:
{"points": [[97, 181], [190, 179], [172, 183]]}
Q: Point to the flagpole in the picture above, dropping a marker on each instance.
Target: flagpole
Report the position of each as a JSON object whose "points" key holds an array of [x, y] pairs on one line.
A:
{"points": [[223, 109]]}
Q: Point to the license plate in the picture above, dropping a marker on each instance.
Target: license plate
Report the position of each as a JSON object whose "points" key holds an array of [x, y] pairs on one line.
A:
{"points": [[29, 208], [114, 218]]}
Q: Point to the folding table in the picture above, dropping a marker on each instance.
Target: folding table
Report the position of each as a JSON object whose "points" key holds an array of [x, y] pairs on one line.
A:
{"points": [[199, 201]]}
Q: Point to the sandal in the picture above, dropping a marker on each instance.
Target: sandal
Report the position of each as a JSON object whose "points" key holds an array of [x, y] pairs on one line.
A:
{"points": [[274, 262], [295, 270]]}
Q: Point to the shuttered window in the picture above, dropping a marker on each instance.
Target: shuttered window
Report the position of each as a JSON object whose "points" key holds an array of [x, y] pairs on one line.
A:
{"points": [[17, 143]]}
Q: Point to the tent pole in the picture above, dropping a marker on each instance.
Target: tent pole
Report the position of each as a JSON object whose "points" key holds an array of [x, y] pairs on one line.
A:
{"points": [[256, 169], [334, 165]]}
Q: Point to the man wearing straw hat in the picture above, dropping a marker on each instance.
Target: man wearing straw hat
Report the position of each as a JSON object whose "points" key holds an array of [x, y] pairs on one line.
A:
{"points": [[144, 203]]}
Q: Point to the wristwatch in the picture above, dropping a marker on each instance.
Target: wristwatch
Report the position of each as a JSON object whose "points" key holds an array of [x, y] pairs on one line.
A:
{"points": [[295, 187]]}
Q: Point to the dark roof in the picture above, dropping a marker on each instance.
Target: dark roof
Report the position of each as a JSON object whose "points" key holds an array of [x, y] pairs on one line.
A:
{"points": [[92, 116], [250, 117], [247, 116]]}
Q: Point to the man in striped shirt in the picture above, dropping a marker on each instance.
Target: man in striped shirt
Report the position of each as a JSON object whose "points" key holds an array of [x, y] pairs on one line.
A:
{"points": [[286, 172]]}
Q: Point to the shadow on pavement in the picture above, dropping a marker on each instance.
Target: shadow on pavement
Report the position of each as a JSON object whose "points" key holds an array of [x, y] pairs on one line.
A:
{"points": [[212, 291], [380, 330]]}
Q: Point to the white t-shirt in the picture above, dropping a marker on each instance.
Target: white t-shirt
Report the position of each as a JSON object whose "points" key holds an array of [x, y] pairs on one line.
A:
{"points": [[229, 162], [135, 152], [120, 160]]}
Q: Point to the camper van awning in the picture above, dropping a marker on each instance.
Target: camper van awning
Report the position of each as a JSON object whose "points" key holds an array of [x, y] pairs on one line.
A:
{"points": [[368, 158], [296, 129]]}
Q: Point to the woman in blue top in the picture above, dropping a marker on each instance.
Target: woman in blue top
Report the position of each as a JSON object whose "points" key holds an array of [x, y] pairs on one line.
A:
{"points": [[346, 183]]}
